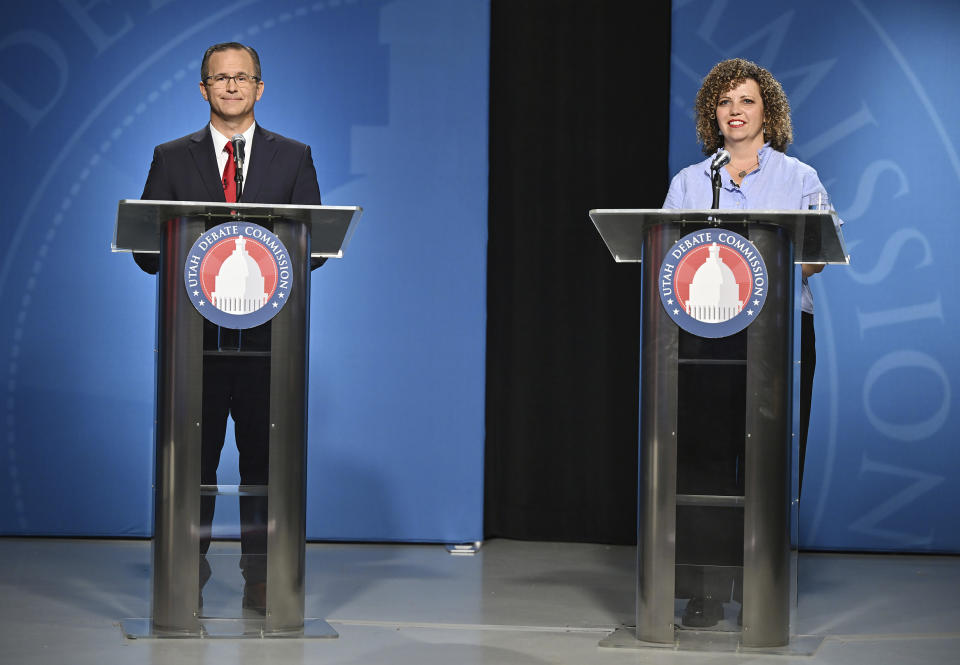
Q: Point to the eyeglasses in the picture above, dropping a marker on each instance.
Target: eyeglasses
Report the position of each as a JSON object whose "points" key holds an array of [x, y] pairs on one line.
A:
{"points": [[220, 80]]}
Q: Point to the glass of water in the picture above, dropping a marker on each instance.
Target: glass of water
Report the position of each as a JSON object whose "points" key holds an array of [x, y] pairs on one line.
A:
{"points": [[817, 201]]}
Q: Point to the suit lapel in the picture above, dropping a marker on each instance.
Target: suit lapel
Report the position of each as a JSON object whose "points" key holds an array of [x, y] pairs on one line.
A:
{"points": [[201, 148], [260, 160]]}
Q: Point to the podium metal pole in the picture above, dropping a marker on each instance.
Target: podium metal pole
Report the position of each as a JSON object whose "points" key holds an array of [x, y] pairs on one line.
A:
{"points": [[657, 492], [176, 539], [287, 489], [766, 519]]}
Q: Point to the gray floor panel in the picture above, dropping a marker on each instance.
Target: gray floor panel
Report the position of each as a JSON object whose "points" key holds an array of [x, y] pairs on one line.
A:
{"points": [[516, 603]]}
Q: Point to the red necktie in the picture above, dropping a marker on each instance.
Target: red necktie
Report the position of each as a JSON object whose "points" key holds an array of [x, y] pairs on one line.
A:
{"points": [[230, 176]]}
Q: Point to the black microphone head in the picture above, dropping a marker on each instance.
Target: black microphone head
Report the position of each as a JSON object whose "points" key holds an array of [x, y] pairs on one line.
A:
{"points": [[238, 143], [721, 159]]}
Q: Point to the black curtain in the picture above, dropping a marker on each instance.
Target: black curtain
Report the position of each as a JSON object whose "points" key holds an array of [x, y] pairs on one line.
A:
{"points": [[579, 102]]}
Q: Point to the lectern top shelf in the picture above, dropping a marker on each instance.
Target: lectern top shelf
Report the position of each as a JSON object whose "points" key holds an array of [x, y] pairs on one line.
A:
{"points": [[817, 236], [139, 222]]}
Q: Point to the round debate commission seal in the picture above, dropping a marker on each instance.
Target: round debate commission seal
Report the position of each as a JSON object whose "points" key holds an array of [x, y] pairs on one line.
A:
{"points": [[238, 275], [713, 282]]}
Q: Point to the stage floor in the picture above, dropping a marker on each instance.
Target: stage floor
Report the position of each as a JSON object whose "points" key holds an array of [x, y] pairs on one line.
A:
{"points": [[515, 603]]}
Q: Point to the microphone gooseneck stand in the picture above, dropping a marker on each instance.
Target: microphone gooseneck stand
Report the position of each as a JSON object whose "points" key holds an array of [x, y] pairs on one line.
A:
{"points": [[716, 189], [238, 160]]}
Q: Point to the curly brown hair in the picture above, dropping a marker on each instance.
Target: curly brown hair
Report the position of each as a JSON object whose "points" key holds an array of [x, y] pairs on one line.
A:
{"points": [[726, 75]]}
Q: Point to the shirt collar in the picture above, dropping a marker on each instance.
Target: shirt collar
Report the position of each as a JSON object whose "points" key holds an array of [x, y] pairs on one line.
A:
{"points": [[762, 154], [219, 140]]}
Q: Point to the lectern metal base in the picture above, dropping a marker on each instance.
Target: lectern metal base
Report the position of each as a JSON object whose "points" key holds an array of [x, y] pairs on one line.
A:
{"points": [[140, 629], [710, 640]]}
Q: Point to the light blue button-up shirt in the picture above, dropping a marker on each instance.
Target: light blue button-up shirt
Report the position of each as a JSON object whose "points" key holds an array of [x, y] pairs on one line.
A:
{"points": [[779, 183]]}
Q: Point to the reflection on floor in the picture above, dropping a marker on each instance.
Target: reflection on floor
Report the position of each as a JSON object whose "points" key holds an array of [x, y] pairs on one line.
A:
{"points": [[514, 603]]}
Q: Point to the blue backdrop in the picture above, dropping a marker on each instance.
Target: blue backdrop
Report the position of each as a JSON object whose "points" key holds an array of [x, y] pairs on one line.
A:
{"points": [[876, 110], [392, 96]]}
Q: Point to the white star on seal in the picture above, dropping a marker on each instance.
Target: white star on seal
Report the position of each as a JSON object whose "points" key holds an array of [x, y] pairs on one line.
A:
{"points": [[756, 303], [196, 293], [749, 312], [676, 311], [201, 303], [275, 305], [670, 301], [282, 294]]}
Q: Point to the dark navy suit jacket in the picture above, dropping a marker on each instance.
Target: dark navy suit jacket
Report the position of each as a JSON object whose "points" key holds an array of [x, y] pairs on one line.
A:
{"points": [[280, 171]]}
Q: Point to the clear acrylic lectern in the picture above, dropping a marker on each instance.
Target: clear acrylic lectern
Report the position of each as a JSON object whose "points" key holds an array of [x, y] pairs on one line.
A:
{"points": [[169, 229], [696, 529]]}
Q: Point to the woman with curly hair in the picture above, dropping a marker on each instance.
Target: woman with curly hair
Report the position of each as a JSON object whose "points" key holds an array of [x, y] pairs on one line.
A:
{"points": [[742, 108]]}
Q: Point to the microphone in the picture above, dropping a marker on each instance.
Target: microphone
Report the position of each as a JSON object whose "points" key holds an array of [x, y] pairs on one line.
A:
{"points": [[238, 143], [721, 159]]}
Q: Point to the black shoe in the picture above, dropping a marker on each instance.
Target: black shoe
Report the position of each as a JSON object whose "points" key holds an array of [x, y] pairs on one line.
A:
{"points": [[702, 612], [255, 597]]}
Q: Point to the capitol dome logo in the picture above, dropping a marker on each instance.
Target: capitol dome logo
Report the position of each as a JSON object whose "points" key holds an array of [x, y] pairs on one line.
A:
{"points": [[713, 283], [238, 275]]}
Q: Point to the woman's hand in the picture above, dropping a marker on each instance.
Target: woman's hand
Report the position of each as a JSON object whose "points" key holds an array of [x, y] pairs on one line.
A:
{"points": [[811, 268]]}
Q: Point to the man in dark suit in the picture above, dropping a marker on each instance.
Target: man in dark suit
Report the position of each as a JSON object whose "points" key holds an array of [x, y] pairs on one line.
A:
{"points": [[278, 170]]}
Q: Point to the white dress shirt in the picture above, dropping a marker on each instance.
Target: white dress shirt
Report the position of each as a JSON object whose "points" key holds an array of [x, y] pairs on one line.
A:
{"points": [[219, 141]]}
